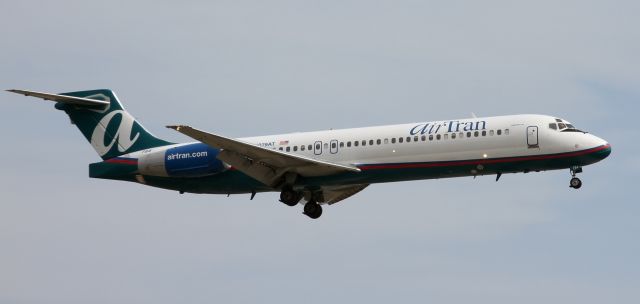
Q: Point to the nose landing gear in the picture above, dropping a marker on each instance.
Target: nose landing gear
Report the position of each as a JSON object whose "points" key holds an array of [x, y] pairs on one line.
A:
{"points": [[575, 182]]}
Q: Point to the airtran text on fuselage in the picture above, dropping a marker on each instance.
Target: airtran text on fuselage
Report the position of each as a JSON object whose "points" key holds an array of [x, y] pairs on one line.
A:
{"points": [[448, 127]]}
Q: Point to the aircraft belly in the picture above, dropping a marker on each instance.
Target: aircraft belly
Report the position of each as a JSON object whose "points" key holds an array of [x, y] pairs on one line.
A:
{"points": [[228, 182], [403, 171]]}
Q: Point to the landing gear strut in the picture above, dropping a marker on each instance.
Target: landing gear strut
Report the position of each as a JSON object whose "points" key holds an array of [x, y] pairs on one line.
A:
{"points": [[312, 209], [575, 182], [290, 197]]}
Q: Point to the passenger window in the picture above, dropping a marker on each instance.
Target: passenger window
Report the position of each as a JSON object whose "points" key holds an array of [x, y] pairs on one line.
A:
{"points": [[553, 126], [326, 146], [499, 132], [393, 140], [490, 132], [309, 147], [438, 137], [415, 138], [400, 139], [506, 131], [302, 148], [280, 148], [461, 135], [475, 134], [288, 149], [318, 146], [364, 143], [468, 134], [378, 141], [408, 138], [341, 144], [453, 135], [370, 142], [348, 144], [334, 145], [430, 137], [484, 133], [386, 141], [295, 148], [355, 143], [423, 138]]}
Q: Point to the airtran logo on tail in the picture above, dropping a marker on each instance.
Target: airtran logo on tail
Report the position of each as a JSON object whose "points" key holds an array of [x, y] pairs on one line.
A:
{"points": [[122, 137]]}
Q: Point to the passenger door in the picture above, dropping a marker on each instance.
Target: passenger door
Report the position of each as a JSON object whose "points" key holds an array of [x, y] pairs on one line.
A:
{"points": [[317, 148], [532, 137]]}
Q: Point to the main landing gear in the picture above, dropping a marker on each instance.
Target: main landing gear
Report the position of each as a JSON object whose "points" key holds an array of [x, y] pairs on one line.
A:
{"points": [[575, 182], [290, 197], [312, 209]]}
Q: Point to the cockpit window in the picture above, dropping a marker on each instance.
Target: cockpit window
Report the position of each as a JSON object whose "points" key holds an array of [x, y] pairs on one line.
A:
{"points": [[573, 130], [563, 126]]}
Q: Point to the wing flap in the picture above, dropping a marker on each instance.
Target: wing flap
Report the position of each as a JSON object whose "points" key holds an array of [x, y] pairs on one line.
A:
{"points": [[259, 171], [334, 195]]}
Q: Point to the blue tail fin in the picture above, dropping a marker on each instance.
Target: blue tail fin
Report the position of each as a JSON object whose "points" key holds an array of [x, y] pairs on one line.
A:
{"points": [[112, 131]]}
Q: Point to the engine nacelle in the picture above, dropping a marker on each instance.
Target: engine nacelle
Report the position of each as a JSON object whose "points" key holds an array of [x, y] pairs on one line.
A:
{"points": [[191, 160]]}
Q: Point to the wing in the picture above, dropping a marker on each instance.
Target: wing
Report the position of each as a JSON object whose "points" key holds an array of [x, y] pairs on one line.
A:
{"points": [[265, 165]]}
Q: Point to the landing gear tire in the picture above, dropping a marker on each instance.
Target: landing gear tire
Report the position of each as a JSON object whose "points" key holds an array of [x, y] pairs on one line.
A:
{"points": [[575, 183], [290, 197], [312, 210]]}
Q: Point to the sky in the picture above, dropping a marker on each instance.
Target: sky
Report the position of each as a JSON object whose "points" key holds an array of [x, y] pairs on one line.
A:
{"points": [[244, 68]]}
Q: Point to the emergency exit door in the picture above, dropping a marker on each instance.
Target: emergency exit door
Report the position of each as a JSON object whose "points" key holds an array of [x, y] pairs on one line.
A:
{"points": [[317, 148]]}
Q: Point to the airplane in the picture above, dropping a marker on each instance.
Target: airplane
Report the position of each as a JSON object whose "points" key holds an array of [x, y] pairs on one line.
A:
{"points": [[322, 167]]}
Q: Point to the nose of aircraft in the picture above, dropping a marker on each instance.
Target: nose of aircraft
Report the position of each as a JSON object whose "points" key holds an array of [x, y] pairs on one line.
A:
{"points": [[604, 153], [603, 148]]}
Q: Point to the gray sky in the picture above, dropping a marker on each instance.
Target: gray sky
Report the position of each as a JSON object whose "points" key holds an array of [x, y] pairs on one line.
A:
{"points": [[244, 68]]}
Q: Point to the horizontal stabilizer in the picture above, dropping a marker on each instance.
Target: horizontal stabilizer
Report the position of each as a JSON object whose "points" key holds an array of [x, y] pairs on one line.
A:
{"points": [[79, 101]]}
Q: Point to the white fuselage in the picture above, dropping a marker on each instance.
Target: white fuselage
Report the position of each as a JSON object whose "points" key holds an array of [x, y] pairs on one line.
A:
{"points": [[486, 138], [497, 137]]}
